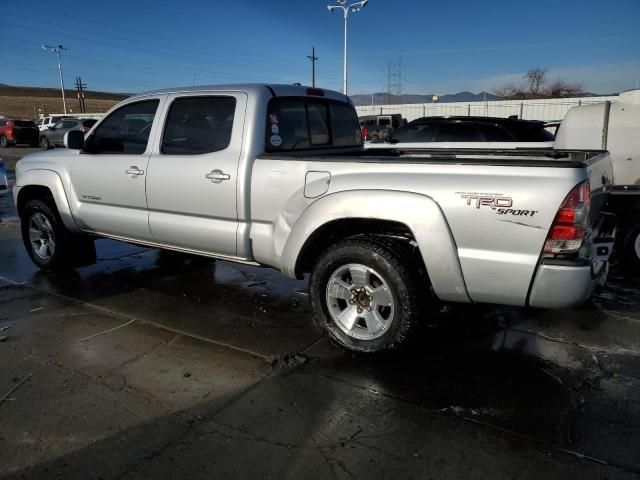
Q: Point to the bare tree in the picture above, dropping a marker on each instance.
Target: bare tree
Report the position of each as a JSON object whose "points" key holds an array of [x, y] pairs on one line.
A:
{"points": [[536, 78], [537, 86], [560, 88]]}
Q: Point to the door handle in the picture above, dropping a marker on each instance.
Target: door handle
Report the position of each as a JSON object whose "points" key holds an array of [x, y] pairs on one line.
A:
{"points": [[134, 171], [217, 176]]}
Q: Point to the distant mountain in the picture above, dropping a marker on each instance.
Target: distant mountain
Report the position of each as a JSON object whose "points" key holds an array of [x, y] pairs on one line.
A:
{"points": [[383, 98]]}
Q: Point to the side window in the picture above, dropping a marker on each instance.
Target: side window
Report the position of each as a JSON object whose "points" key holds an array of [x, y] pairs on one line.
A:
{"points": [[414, 132], [125, 131], [58, 125], [458, 132], [493, 133], [40, 122], [384, 122], [69, 124], [197, 125]]}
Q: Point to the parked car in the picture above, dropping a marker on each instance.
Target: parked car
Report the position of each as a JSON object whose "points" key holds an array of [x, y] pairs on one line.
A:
{"points": [[4, 182], [13, 132], [379, 127], [470, 132], [613, 126], [46, 122], [54, 135], [276, 175]]}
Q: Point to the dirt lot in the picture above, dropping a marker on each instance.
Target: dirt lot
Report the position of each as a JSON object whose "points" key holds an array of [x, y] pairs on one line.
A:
{"points": [[26, 102], [157, 365]]}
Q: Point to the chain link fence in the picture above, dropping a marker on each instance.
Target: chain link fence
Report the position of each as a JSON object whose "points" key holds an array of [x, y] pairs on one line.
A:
{"points": [[545, 109]]}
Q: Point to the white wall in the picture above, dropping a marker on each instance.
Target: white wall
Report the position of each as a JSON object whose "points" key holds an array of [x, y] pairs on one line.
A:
{"points": [[547, 109]]}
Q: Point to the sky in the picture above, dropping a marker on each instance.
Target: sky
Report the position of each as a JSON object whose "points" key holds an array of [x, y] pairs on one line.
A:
{"points": [[444, 47]]}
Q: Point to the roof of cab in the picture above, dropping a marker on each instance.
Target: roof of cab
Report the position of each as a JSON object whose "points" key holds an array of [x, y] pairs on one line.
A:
{"points": [[279, 90]]}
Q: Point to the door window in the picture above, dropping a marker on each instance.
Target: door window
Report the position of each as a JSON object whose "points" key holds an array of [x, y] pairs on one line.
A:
{"points": [[458, 132], [198, 125], [493, 133], [57, 125], [414, 132], [69, 124], [384, 122], [125, 131]]}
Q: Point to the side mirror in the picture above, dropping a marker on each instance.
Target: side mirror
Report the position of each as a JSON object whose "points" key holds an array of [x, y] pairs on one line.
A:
{"points": [[74, 139]]}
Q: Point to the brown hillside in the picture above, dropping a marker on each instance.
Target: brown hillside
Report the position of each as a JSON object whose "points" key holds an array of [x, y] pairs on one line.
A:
{"points": [[27, 102]]}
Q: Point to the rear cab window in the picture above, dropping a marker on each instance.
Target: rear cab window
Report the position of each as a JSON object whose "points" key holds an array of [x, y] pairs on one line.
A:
{"points": [[303, 123]]}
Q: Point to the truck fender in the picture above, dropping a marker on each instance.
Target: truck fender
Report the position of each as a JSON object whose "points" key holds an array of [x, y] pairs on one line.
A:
{"points": [[51, 180], [420, 213]]}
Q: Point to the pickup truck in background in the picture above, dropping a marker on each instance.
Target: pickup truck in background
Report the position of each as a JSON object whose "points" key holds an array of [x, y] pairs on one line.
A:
{"points": [[614, 127], [276, 175]]}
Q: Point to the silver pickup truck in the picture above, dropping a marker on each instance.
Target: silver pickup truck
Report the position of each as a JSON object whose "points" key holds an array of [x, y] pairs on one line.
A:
{"points": [[276, 175]]}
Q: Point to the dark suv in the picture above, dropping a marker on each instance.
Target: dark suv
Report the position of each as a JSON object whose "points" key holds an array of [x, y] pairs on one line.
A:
{"points": [[13, 132], [479, 131]]}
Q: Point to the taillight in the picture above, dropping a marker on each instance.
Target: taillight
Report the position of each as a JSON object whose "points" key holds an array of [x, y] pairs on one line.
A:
{"points": [[571, 222]]}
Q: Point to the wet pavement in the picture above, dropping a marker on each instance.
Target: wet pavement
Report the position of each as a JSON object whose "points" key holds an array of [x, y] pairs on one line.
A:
{"points": [[158, 365]]}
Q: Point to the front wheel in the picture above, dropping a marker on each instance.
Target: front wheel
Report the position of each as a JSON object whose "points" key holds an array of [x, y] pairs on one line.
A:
{"points": [[365, 295], [44, 143], [48, 243]]}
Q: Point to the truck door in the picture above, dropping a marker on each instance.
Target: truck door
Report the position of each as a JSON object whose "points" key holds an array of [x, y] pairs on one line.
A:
{"points": [[193, 175], [108, 176]]}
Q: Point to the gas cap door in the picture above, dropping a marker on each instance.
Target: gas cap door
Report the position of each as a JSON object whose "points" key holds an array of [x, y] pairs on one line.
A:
{"points": [[316, 184]]}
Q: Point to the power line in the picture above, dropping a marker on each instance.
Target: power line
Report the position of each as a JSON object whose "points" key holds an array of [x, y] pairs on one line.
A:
{"points": [[313, 59]]}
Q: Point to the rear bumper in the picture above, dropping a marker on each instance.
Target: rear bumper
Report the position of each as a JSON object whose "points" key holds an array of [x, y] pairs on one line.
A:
{"points": [[561, 286]]}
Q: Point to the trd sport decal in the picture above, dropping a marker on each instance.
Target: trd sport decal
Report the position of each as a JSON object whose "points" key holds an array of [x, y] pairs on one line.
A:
{"points": [[497, 202]]}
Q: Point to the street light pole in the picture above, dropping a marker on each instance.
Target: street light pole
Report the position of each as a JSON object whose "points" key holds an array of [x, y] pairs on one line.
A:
{"points": [[57, 51], [354, 7]]}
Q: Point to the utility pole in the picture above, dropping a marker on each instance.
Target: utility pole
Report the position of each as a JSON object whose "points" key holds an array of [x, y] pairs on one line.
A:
{"points": [[80, 87], [313, 59], [354, 7], [57, 51]]}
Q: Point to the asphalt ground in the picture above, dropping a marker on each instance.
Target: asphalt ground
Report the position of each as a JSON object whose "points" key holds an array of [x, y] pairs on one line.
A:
{"points": [[150, 364]]}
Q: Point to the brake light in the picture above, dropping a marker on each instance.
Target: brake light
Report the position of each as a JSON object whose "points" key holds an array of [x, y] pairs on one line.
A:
{"points": [[571, 222], [315, 91]]}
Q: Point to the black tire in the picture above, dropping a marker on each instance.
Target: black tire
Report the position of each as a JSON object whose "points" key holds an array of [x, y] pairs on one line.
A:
{"points": [[4, 142], [631, 248], [394, 262], [44, 143], [68, 250]]}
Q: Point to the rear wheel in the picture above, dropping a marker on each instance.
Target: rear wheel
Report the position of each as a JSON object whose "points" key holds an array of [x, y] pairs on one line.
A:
{"points": [[48, 243], [44, 143], [365, 295]]}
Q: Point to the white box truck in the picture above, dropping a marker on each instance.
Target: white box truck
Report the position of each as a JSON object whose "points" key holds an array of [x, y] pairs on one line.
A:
{"points": [[613, 126]]}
